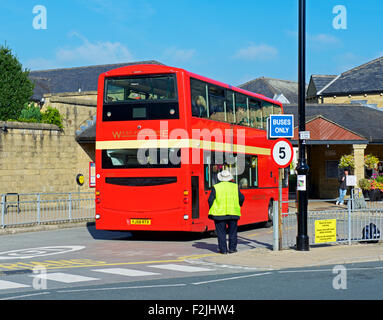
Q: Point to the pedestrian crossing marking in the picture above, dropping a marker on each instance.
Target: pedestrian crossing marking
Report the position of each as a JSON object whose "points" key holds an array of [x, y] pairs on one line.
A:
{"points": [[64, 277], [11, 285], [126, 272], [179, 267]]}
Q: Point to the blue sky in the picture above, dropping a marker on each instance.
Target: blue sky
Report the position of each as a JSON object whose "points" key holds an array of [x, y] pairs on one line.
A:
{"points": [[230, 41]]}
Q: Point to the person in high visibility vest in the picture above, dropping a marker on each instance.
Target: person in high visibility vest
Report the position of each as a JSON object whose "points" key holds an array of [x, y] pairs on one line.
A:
{"points": [[225, 202]]}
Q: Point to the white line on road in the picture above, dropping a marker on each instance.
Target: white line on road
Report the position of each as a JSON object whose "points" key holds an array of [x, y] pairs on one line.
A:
{"points": [[11, 285], [63, 277], [232, 278], [179, 267], [25, 296], [122, 288], [126, 272], [330, 270]]}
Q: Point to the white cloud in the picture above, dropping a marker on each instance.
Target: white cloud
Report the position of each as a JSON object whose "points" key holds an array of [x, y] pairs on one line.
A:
{"points": [[179, 55], [260, 52], [95, 53], [87, 53], [317, 41], [324, 39]]}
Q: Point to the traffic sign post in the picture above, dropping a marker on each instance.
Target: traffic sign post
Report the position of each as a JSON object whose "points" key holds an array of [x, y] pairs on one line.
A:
{"points": [[282, 154]]}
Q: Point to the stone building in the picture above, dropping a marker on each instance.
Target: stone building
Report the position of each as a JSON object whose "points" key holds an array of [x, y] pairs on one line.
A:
{"points": [[38, 157], [360, 85], [336, 130]]}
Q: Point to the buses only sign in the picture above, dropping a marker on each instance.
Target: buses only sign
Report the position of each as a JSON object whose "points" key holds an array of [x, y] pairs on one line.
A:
{"points": [[280, 126]]}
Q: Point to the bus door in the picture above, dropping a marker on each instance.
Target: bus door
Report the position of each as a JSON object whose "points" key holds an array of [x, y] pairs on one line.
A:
{"points": [[195, 196]]}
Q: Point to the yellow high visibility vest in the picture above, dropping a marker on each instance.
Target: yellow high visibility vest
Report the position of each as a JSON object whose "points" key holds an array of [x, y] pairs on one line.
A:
{"points": [[226, 200]]}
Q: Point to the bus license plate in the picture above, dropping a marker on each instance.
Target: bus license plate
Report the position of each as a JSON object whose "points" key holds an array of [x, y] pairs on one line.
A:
{"points": [[141, 221]]}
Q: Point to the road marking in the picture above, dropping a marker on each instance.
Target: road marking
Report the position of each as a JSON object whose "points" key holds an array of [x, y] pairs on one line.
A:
{"points": [[25, 296], [126, 272], [122, 288], [232, 278], [64, 277], [37, 252], [11, 285], [179, 267]]}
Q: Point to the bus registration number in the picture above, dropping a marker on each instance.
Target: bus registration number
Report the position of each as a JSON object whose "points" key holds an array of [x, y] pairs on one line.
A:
{"points": [[141, 221]]}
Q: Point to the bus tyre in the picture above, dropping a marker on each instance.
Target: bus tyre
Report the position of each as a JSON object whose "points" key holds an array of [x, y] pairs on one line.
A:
{"points": [[212, 234], [269, 223]]}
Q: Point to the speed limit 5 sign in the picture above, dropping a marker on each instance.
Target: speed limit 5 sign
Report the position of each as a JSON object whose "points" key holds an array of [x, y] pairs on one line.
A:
{"points": [[282, 153]]}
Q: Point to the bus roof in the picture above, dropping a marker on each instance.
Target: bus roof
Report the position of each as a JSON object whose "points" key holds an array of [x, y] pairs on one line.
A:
{"points": [[157, 68]]}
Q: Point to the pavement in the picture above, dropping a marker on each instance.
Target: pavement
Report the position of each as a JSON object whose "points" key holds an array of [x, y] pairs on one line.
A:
{"points": [[266, 259]]}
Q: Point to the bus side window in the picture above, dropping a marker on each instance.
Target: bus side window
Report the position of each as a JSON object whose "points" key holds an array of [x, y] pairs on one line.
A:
{"points": [[267, 110], [230, 112], [255, 112], [248, 175], [277, 109], [216, 103], [199, 101], [241, 110]]}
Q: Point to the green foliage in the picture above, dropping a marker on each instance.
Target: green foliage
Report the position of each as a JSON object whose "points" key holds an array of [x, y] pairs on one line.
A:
{"points": [[347, 161], [52, 116], [379, 179], [370, 161], [30, 113], [365, 184], [15, 87]]}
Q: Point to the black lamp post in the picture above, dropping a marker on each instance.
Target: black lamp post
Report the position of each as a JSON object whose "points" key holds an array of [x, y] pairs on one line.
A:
{"points": [[302, 168]]}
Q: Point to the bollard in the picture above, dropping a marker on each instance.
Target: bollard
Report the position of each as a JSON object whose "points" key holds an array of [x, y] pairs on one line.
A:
{"points": [[38, 208], [275, 226], [2, 210], [349, 221]]}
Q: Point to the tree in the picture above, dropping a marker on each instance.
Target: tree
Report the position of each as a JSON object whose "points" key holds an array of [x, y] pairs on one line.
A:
{"points": [[16, 88]]}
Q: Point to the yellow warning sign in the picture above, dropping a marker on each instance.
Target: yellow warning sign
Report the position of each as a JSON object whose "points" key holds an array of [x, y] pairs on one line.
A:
{"points": [[325, 231]]}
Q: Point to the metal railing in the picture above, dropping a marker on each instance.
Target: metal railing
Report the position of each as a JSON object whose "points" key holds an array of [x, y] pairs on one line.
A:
{"points": [[42, 208], [360, 220]]}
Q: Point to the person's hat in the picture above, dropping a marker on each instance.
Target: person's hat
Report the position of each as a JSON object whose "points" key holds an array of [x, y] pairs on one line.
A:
{"points": [[225, 175]]}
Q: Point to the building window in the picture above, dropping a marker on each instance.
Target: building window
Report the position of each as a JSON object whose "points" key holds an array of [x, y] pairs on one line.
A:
{"points": [[332, 169]]}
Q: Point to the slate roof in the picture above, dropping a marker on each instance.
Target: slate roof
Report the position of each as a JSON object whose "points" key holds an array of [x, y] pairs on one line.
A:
{"points": [[271, 88], [72, 79], [366, 122], [366, 78], [317, 83], [321, 81]]}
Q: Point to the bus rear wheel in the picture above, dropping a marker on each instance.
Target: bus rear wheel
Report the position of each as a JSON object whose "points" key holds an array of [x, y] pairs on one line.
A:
{"points": [[269, 222]]}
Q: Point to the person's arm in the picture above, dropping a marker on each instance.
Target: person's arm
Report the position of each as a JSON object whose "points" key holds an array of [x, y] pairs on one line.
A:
{"points": [[241, 197], [211, 197]]}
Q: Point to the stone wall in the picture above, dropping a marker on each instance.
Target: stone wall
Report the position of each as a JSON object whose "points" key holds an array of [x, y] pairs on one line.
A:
{"points": [[41, 157]]}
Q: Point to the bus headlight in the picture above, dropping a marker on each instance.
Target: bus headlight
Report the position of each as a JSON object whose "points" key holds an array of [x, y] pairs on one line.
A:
{"points": [[186, 217], [98, 216]]}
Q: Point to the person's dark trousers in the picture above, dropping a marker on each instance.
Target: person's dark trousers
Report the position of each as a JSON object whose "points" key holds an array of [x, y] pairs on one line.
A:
{"points": [[220, 227], [232, 226]]}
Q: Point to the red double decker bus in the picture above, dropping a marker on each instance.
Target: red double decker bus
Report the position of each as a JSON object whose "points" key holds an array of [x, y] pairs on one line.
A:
{"points": [[162, 136]]}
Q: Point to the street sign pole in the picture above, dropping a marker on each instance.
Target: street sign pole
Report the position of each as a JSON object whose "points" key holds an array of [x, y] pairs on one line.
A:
{"points": [[302, 168], [280, 210], [282, 153]]}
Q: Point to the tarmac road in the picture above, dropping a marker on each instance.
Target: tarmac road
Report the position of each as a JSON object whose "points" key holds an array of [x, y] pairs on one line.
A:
{"points": [[84, 263], [79, 256]]}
